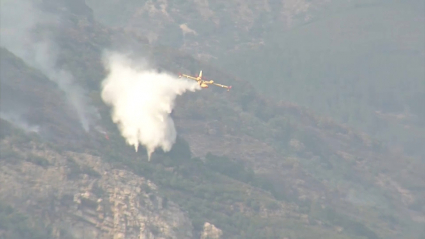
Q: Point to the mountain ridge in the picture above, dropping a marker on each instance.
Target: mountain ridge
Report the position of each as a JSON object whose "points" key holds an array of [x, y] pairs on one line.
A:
{"points": [[284, 186], [343, 59]]}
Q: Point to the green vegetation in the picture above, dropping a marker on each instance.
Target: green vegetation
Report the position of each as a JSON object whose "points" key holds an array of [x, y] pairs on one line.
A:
{"points": [[6, 129], [226, 192], [349, 225], [9, 155], [38, 160], [17, 225], [215, 190], [239, 172], [207, 195], [74, 170], [346, 64]]}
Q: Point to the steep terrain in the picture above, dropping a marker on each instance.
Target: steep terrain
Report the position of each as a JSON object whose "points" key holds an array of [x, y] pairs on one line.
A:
{"points": [[207, 29], [243, 166], [78, 196], [360, 62]]}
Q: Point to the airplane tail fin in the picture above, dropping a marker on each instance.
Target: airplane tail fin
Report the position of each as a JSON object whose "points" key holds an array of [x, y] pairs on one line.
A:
{"points": [[200, 74]]}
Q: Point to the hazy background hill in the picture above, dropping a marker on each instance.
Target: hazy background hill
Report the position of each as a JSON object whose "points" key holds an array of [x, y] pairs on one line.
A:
{"points": [[244, 165], [360, 62]]}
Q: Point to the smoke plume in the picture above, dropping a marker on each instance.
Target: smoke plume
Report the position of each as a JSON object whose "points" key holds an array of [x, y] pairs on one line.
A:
{"points": [[28, 32], [142, 100], [19, 121]]}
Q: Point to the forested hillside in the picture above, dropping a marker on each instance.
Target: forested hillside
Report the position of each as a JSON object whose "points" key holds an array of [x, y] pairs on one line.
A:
{"points": [[360, 62], [248, 165], [362, 65]]}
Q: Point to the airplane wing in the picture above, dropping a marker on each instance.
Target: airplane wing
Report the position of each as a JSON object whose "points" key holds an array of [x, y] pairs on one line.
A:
{"points": [[223, 86], [211, 82], [188, 76]]}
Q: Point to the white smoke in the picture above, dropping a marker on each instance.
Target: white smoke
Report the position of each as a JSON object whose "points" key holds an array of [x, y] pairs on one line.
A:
{"points": [[142, 101], [19, 121], [20, 19]]}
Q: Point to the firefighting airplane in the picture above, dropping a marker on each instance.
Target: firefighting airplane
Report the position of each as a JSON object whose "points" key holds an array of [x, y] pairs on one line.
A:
{"points": [[204, 83]]}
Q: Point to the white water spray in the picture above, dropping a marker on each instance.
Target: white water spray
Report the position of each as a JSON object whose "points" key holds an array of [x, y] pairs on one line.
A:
{"points": [[142, 101]]}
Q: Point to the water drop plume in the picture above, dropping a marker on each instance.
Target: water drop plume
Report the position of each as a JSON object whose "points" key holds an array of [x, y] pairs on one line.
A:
{"points": [[142, 100]]}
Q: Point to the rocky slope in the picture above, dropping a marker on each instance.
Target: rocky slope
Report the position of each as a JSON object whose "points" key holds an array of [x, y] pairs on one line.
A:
{"points": [[283, 171], [78, 195], [197, 26]]}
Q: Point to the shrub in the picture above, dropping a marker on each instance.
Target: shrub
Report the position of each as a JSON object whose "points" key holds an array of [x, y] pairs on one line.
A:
{"points": [[9, 155], [38, 160]]}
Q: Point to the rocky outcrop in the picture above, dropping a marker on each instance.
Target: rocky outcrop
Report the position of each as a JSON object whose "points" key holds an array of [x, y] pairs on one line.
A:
{"points": [[79, 195], [211, 232]]}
